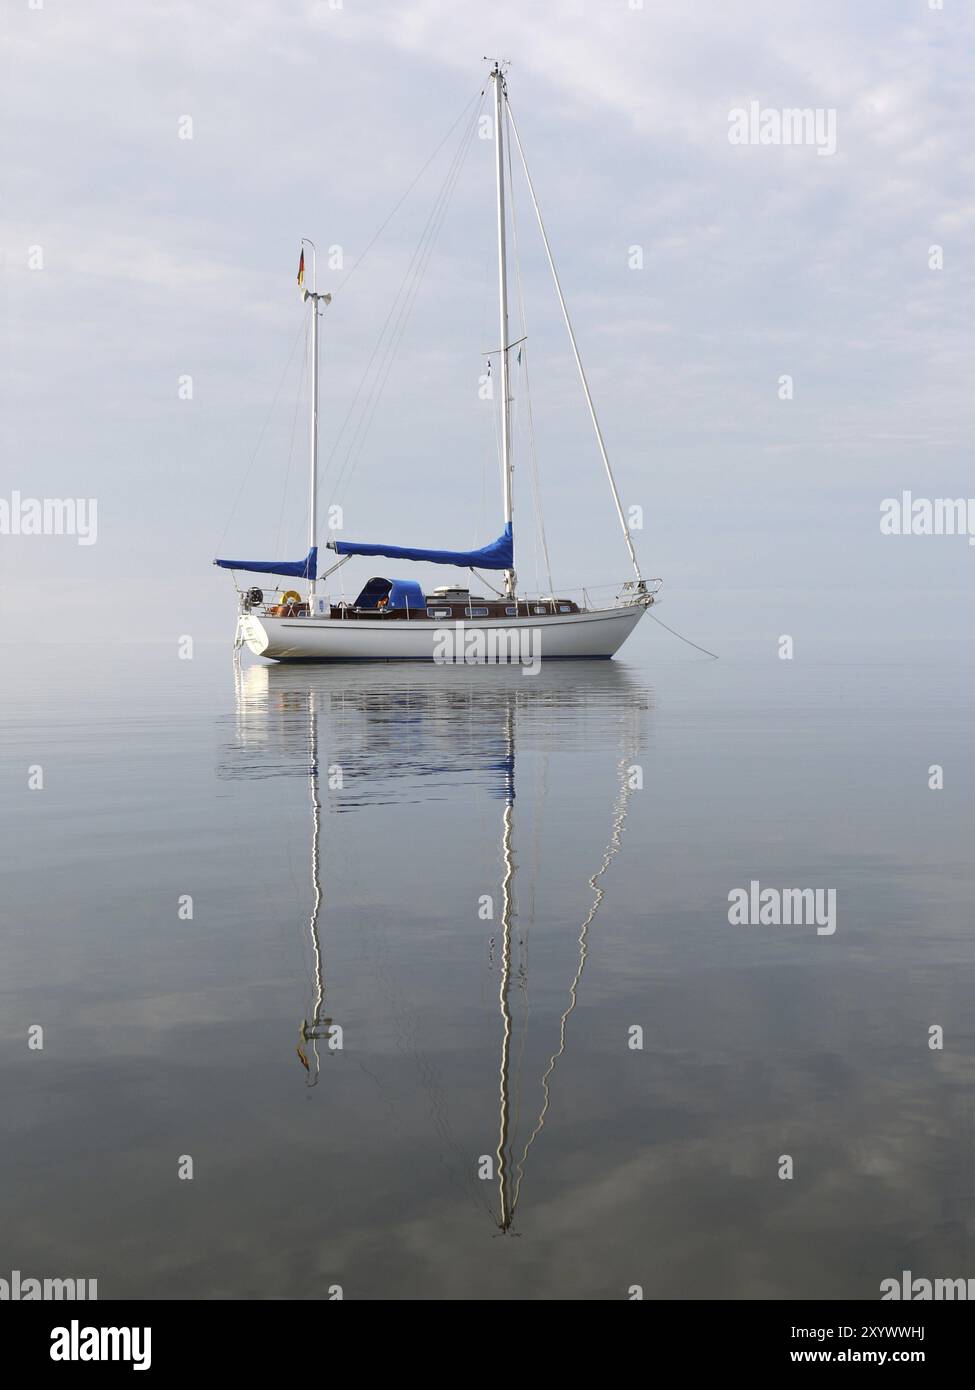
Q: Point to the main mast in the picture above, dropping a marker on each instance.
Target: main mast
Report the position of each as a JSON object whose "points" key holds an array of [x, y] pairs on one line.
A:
{"points": [[499, 111], [314, 297]]}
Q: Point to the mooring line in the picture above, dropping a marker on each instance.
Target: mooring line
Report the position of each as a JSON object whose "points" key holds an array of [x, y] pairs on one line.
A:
{"points": [[675, 633]]}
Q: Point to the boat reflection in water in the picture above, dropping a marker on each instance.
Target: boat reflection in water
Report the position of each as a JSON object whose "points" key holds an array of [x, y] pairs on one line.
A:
{"points": [[362, 739]]}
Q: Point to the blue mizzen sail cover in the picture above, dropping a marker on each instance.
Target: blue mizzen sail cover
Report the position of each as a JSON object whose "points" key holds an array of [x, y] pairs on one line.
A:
{"points": [[499, 555], [296, 569]]}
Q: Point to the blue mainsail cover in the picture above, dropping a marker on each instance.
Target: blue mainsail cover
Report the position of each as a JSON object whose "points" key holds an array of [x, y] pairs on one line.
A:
{"points": [[297, 569], [499, 555]]}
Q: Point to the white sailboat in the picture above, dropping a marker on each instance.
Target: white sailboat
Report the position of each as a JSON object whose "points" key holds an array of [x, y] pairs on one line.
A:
{"points": [[396, 620]]}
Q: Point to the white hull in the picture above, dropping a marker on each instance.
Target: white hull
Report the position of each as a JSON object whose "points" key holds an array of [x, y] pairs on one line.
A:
{"points": [[529, 639]]}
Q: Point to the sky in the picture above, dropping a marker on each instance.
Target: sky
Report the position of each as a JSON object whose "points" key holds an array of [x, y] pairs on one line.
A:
{"points": [[162, 160]]}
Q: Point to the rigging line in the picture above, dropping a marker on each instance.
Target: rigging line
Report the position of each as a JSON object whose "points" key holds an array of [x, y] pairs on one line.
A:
{"points": [[522, 987], [599, 893], [406, 311], [384, 370], [541, 799], [354, 267], [504, 1147], [422, 263], [496, 430], [533, 474], [421, 254], [575, 352], [291, 450], [675, 633], [532, 455], [486, 335], [482, 499], [487, 583], [403, 1025], [395, 313], [379, 341], [313, 925], [247, 472]]}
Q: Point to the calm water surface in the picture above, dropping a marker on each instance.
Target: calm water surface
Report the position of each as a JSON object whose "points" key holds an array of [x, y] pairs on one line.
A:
{"points": [[486, 881]]}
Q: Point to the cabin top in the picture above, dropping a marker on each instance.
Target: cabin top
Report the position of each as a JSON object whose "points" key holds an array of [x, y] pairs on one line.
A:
{"points": [[446, 593]]}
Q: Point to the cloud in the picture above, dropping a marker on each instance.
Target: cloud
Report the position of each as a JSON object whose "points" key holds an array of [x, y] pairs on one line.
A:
{"points": [[167, 257]]}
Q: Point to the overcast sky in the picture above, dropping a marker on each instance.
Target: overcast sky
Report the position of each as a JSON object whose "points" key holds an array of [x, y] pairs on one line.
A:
{"points": [[166, 257]]}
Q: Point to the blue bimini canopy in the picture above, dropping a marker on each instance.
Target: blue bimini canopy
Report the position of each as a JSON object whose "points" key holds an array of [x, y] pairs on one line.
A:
{"points": [[402, 593], [499, 555], [296, 569]]}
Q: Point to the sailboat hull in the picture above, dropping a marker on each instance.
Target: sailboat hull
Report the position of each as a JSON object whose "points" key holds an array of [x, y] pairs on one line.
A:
{"points": [[584, 636]]}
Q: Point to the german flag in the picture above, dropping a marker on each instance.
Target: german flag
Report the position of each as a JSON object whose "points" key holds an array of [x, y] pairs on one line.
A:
{"points": [[301, 270]]}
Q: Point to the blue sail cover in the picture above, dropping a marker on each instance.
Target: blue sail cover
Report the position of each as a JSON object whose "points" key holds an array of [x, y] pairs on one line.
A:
{"points": [[297, 569], [499, 555], [399, 593]]}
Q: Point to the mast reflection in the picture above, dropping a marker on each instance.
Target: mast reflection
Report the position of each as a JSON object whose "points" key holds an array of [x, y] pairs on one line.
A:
{"points": [[429, 735]]}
